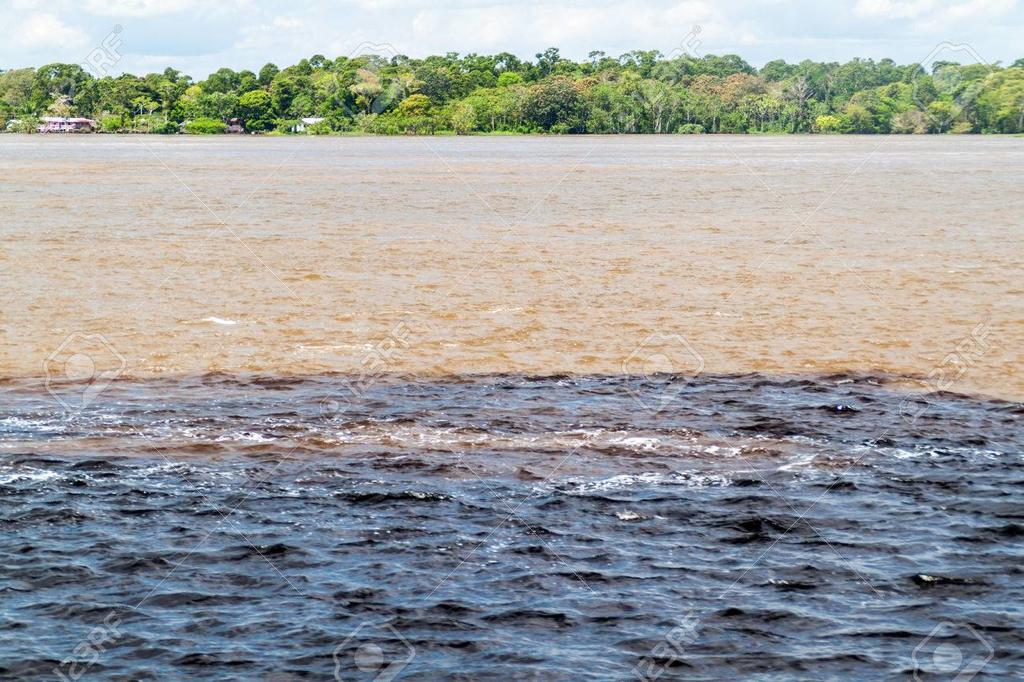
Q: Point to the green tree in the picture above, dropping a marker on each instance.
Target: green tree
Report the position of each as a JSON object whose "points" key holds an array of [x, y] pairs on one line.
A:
{"points": [[555, 105], [61, 106], [776, 70], [909, 122], [547, 61], [639, 92], [942, 115], [284, 90], [509, 78], [1001, 104], [16, 92], [205, 126], [222, 81], [414, 105], [828, 123], [857, 119], [256, 108], [267, 74], [369, 91], [218, 105], [58, 81], [463, 117]]}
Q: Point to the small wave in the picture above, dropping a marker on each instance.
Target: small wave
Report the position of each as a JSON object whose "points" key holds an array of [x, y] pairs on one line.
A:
{"points": [[646, 479], [215, 320], [26, 474]]}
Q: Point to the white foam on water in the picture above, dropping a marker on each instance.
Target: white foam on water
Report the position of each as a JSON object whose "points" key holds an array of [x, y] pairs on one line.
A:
{"points": [[13, 475], [637, 442], [646, 479], [245, 436]]}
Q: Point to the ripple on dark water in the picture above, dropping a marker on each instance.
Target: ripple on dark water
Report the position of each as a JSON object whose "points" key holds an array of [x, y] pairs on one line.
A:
{"points": [[507, 527]]}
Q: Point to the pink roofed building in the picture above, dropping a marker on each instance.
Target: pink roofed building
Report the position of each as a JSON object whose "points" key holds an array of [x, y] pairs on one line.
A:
{"points": [[57, 124]]}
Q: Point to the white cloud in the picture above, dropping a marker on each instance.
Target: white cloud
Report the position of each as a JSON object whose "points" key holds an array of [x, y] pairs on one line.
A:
{"points": [[892, 9], [280, 30], [199, 37], [575, 28], [932, 15], [137, 8], [959, 13], [47, 32]]}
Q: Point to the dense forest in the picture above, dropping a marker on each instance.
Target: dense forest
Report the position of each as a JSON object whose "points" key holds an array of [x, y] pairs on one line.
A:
{"points": [[638, 92]]}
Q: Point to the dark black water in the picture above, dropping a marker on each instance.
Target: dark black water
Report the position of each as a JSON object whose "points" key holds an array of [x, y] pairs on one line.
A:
{"points": [[511, 528]]}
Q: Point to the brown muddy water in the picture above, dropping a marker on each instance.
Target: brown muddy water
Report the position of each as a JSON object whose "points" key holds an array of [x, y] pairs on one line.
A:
{"points": [[649, 408], [531, 255]]}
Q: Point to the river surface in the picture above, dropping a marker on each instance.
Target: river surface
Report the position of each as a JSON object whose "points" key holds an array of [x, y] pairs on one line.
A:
{"points": [[531, 255], [491, 409]]}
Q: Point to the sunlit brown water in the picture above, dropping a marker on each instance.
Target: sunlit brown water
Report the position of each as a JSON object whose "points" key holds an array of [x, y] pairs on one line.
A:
{"points": [[529, 255]]}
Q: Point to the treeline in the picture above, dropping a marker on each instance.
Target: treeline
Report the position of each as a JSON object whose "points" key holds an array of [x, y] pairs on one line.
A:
{"points": [[638, 92]]}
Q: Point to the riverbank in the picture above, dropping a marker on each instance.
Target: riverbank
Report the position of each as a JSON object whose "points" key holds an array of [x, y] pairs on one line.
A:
{"points": [[638, 92], [451, 133]]}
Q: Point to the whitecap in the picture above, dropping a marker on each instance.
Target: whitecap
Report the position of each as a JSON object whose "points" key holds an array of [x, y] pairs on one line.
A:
{"points": [[649, 479], [27, 474]]}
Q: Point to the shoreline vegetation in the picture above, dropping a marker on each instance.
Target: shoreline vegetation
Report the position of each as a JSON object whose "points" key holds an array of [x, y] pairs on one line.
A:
{"points": [[636, 93]]}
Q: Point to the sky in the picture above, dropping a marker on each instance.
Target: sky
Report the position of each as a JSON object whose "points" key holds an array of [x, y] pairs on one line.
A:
{"points": [[200, 36]]}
